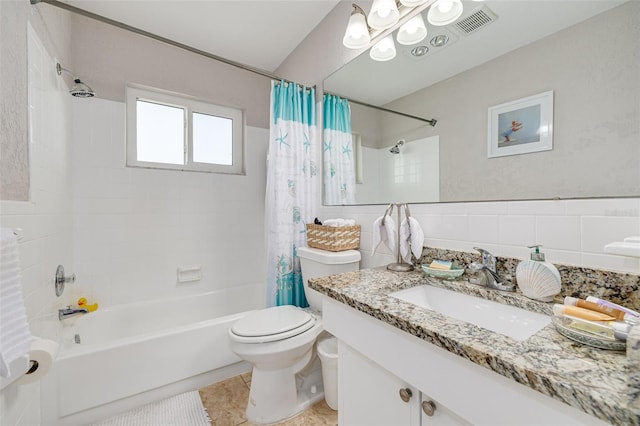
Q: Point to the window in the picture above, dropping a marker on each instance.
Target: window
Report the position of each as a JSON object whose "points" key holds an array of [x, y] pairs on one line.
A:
{"points": [[169, 131]]}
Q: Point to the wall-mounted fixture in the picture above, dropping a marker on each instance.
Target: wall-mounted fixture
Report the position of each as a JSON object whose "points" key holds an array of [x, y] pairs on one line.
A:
{"points": [[79, 89], [61, 280], [396, 148], [385, 14]]}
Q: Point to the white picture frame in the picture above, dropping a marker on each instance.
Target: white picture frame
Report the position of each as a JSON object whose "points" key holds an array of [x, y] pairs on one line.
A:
{"points": [[522, 126]]}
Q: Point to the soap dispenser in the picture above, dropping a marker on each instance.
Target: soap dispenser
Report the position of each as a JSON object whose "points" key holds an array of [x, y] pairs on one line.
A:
{"points": [[537, 278]]}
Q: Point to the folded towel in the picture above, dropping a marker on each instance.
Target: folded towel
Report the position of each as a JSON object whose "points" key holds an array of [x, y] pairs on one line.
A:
{"points": [[339, 222], [15, 338], [384, 231]]}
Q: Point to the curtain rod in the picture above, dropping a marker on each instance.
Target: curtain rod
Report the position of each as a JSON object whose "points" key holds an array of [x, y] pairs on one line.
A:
{"points": [[432, 121], [153, 36]]}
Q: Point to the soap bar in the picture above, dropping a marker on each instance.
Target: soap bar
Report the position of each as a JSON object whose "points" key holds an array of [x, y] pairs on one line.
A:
{"points": [[444, 265]]}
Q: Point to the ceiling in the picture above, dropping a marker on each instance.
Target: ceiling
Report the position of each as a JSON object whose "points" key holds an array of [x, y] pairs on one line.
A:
{"points": [[258, 33], [518, 23]]}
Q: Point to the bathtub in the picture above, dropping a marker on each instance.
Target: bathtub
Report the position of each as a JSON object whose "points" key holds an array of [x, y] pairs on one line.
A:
{"points": [[133, 354]]}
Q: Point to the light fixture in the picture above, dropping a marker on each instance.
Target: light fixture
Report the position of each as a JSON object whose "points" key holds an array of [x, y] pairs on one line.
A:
{"points": [[79, 89], [439, 40], [419, 51], [412, 3], [444, 12], [383, 14], [357, 34], [383, 17], [384, 50], [413, 31]]}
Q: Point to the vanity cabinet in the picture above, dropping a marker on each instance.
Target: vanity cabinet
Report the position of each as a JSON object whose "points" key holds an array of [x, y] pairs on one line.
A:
{"points": [[371, 396], [376, 360]]}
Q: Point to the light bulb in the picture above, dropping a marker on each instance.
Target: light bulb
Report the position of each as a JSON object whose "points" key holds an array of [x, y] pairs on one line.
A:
{"points": [[445, 6], [357, 34], [444, 12], [384, 50], [383, 14], [413, 31]]}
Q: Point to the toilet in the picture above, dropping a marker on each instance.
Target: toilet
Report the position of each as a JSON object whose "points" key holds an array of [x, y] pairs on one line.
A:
{"points": [[280, 344]]}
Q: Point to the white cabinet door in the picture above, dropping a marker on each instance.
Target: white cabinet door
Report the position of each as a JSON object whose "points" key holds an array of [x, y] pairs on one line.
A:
{"points": [[370, 396], [436, 414]]}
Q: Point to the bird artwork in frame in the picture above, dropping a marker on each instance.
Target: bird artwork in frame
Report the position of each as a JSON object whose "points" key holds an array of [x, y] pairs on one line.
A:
{"points": [[521, 126]]}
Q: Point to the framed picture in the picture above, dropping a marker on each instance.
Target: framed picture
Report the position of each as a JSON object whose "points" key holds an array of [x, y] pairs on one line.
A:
{"points": [[521, 126]]}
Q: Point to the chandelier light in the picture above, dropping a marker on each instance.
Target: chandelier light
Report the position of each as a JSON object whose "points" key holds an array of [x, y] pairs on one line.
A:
{"points": [[383, 14], [444, 12], [384, 50], [413, 31], [357, 34]]}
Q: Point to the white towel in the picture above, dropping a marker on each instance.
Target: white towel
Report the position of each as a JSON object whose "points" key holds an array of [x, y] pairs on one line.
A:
{"points": [[405, 244], [15, 338], [411, 239], [386, 233], [417, 238], [339, 222]]}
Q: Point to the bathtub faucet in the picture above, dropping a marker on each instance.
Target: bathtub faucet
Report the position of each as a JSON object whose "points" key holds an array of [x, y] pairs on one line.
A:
{"points": [[69, 312]]}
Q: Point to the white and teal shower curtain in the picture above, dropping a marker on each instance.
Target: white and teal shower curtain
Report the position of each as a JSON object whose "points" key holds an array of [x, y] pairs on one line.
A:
{"points": [[291, 189], [338, 152]]}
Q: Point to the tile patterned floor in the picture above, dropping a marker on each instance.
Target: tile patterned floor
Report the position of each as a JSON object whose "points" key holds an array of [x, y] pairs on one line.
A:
{"points": [[226, 402]]}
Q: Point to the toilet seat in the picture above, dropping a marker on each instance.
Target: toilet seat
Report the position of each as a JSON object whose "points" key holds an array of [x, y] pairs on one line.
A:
{"points": [[272, 324]]}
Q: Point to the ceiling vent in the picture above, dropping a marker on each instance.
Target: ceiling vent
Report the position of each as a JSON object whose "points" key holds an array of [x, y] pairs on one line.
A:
{"points": [[478, 19]]}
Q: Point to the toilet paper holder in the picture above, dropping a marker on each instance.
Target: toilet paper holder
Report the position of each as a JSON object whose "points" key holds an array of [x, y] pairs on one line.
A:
{"points": [[34, 365]]}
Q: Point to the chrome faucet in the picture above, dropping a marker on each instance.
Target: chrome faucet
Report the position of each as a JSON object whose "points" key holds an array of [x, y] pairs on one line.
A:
{"points": [[69, 312], [488, 274]]}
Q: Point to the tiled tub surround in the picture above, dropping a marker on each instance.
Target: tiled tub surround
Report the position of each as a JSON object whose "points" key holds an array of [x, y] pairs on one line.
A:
{"points": [[592, 380]]}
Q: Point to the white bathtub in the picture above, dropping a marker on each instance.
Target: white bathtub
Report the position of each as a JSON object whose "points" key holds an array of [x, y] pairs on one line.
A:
{"points": [[137, 353]]}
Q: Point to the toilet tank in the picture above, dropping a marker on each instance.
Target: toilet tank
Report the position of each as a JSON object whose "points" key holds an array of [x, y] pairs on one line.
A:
{"points": [[320, 263]]}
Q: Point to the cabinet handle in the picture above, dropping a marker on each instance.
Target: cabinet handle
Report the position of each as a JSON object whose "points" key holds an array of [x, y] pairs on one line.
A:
{"points": [[429, 407], [405, 394]]}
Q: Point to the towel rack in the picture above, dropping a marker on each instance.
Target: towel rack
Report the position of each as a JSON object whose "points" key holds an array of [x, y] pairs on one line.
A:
{"points": [[400, 265]]}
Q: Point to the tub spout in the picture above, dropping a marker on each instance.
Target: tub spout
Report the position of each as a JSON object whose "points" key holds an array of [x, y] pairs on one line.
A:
{"points": [[69, 312]]}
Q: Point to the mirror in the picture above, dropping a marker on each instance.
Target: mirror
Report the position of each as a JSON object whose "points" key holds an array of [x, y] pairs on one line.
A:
{"points": [[585, 52]]}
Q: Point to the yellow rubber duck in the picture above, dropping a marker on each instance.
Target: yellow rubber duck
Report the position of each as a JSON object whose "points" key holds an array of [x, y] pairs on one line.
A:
{"points": [[82, 303]]}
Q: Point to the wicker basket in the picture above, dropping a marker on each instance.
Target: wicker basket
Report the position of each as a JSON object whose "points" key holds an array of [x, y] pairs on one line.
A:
{"points": [[333, 238]]}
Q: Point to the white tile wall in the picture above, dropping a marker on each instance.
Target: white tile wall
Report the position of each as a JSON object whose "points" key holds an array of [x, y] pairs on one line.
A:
{"points": [[133, 227], [45, 219], [572, 232]]}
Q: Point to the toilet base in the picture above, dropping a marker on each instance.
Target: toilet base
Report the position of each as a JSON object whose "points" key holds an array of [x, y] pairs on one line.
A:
{"points": [[276, 396]]}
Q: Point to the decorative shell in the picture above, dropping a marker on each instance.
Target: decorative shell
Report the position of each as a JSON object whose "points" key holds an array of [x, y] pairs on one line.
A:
{"points": [[538, 280]]}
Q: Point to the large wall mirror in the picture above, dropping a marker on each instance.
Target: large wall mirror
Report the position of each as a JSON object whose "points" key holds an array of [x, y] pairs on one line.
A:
{"points": [[586, 53]]}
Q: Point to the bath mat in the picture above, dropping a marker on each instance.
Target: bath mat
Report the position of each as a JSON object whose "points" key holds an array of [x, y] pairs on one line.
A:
{"points": [[185, 409]]}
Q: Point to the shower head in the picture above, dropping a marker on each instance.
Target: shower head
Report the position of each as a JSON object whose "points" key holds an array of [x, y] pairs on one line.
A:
{"points": [[79, 89], [396, 148]]}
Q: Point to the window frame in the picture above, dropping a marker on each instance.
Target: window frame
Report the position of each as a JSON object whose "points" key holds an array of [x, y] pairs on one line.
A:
{"points": [[189, 105]]}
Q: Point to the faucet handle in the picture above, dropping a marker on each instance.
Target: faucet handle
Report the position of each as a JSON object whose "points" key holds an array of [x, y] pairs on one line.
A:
{"points": [[487, 258]]}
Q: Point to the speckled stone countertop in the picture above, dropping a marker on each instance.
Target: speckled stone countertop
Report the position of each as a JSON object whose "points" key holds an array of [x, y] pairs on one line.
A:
{"points": [[593, 380]]}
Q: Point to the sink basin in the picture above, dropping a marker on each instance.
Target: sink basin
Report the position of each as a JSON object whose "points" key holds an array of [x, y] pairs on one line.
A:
{"points": [[511, 321]]}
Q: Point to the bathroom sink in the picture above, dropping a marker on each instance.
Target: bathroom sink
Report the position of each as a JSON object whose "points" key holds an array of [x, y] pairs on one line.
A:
{"points": [[511, 321]]}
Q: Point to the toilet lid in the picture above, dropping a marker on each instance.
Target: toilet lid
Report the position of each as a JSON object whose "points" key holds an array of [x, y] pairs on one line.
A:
{"points": [[279, 322]]}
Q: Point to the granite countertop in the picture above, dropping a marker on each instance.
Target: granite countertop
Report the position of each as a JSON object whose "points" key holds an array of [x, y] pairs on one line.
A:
{"points": [[593, 380]]}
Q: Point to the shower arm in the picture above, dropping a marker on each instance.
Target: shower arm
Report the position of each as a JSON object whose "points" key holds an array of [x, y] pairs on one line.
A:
{"points": [[60, 69]]}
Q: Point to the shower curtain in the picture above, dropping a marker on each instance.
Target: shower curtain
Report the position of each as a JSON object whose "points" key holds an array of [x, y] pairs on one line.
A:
{"points": [[291, 189], [338, 154]]}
